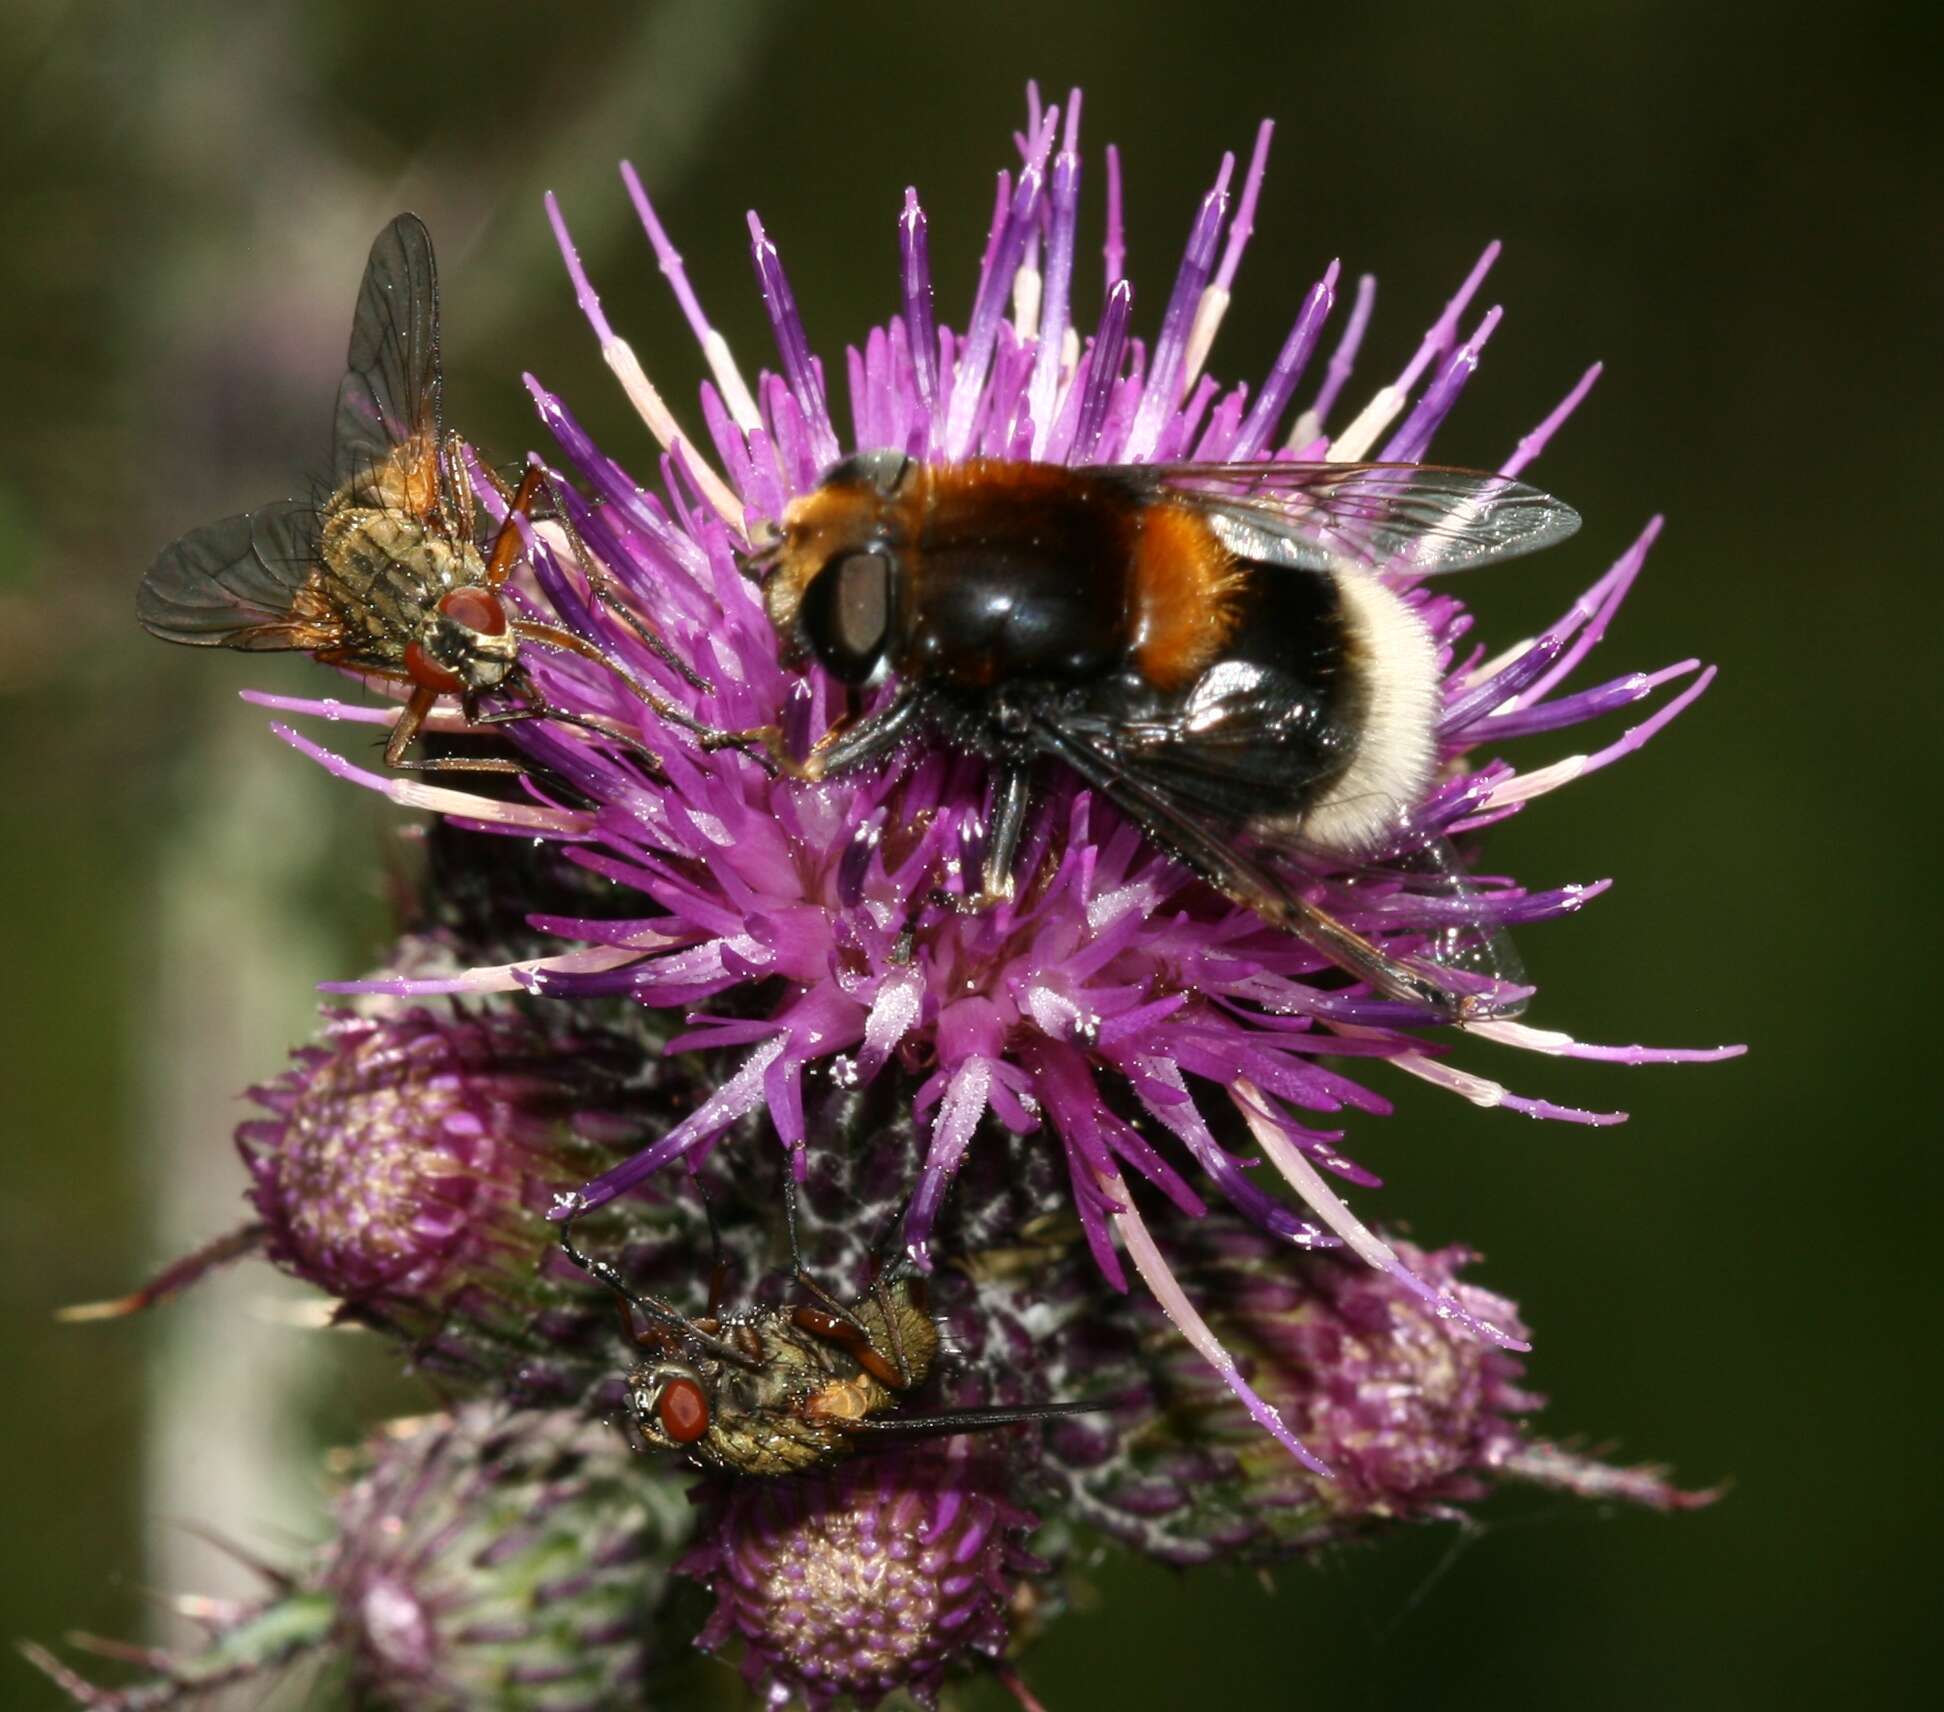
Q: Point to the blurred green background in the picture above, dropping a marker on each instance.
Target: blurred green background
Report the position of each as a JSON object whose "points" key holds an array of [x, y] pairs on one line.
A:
{"points": [[1737, 208]]}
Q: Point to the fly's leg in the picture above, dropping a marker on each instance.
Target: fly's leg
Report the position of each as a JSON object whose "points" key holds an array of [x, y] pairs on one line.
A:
{"points": [[508, 543], [718, 1263], [536, 706], [709, 736], [1012, 796], [655, 1311], [843, 748], [602, 585], [405, 732], [830, 1319], [610, 597]]}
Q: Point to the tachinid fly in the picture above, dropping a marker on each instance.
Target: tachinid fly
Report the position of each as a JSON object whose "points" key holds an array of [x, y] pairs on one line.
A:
{"points": [[394, 575], [773, 1391]]}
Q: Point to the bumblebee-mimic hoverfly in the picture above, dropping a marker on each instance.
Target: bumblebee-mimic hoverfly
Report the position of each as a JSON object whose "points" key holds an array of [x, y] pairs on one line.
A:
{"points": [[1208, 646], [772, 1391], [390, 575]]}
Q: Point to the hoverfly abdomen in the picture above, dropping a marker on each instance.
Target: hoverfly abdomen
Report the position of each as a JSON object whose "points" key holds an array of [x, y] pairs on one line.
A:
{"points": [[1032, 588], [1185, 589]]}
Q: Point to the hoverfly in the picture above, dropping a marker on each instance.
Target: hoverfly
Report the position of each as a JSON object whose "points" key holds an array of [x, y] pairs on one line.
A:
{"points": [[772, 1391], [389, 575], [1207, 646]]}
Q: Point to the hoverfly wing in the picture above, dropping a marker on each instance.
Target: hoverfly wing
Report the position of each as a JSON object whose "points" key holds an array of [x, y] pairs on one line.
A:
{"points": [[1184, 793], [1432, 891], [390, 395], [234, 583], [1416, 519]]}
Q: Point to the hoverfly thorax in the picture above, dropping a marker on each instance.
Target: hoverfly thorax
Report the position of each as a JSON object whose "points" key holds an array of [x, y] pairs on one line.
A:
{"points": [[838, 586]]}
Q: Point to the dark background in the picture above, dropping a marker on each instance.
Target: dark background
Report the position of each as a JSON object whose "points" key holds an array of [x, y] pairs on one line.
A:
{"points": [[1738, 210]]}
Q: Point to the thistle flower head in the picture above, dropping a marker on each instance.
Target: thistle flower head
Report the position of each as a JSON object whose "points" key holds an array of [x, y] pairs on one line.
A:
{"points": [[407, 1161], [1145, 1024], [878, 1577], [480, 1560], [1412, 1416]]}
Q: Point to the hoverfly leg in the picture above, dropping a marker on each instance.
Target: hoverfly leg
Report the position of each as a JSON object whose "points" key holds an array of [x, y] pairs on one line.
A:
{"points": [[1012, 796], [857, 743]]}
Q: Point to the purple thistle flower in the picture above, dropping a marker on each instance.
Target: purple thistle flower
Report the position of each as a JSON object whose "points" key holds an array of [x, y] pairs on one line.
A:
{"points": [[535, 1544], [878, 1577], [1141, 1020]]}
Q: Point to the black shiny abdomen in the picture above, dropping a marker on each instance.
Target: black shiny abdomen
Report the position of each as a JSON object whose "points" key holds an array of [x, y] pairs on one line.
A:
{"points": [[1045, 597], [1266, 727]]}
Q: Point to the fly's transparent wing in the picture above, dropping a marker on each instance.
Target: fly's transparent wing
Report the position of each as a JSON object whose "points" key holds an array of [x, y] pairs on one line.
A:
{"points": [[1430, 889], [1461, 966], [235, 583], [1418, 519], [390, 395]]}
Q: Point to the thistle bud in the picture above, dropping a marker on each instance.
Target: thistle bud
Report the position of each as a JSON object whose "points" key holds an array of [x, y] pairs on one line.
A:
{"points": [[887, 1574], [407, 1165], [1411, 1415], [482, 1562]]}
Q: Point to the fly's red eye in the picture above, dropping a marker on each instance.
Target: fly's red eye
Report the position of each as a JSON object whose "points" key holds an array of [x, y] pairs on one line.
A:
{"points": [[426, 672], [684, 1411], [475, 609]]}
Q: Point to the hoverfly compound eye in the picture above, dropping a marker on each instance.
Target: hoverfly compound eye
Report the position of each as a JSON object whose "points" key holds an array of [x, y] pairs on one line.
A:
{"points": [[846, 614], [683, 1411], [474, 609]]}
